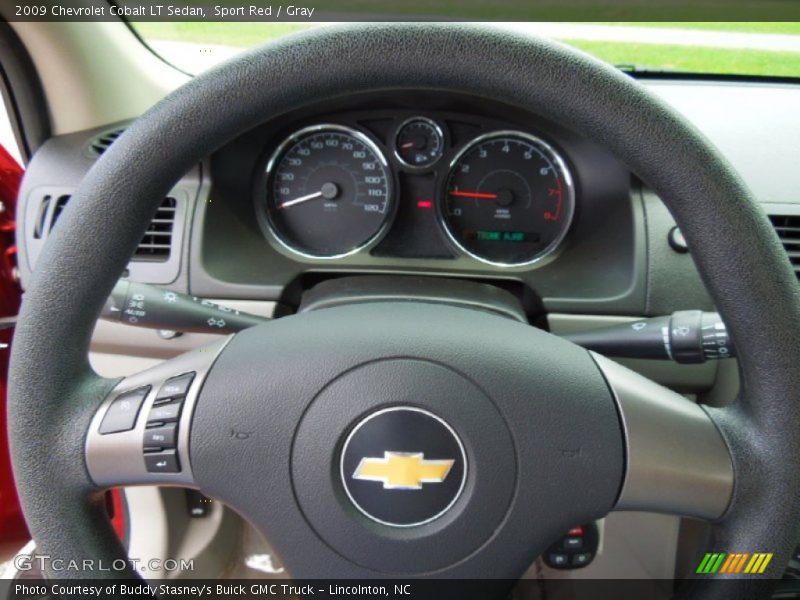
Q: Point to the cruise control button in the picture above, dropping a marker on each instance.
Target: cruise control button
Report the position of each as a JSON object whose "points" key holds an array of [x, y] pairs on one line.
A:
{"points": [[582, 559], [572, 543], [121, 415], [176, 387], [165, 412], [162, 462], [557, 560], [164, 436]]}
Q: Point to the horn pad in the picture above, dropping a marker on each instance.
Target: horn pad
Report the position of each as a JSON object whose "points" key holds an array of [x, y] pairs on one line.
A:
{"points": [[403, 466], [539, 428], [369, 442]]}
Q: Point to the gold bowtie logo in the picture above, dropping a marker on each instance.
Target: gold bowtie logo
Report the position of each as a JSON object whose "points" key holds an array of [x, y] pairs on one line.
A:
{"points": [[403, 470]]}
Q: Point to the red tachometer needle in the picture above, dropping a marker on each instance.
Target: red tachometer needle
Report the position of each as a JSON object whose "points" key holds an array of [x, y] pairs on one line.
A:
{"points": [[479, 195]]}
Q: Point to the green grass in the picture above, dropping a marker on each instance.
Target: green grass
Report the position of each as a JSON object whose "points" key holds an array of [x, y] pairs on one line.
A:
{"points": [[695, 60], [556, 10], [738, 27], [738, 12], [670, 57], [242, 35]]}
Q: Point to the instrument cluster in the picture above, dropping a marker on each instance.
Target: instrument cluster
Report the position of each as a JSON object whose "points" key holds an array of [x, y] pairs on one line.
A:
{"points": [[502, 196]]}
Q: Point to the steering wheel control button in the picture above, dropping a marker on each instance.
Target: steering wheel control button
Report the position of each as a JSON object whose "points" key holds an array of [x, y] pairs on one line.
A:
{"points": [[581, 559], [403, 467], [162, 462], [572, 543], [156, 450], [165, 436], [164, 413], [576, 549], [121, 415], [579, 530], [558, 560], [176, 387]]}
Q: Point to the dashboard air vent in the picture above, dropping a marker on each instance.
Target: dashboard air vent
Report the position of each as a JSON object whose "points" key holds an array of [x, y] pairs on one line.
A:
{"points": [[788, 229], [157, 241], [102, 142], [59, 203], [155, 246]]}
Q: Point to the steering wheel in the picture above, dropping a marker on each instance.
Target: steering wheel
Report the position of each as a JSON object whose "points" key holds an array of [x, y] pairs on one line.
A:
{"points": [[316, 427]]}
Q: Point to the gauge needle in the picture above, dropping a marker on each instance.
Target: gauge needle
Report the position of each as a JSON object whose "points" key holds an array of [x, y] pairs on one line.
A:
{"points": [[329, 191], [300, 200], [479, 195], [407, 145]]}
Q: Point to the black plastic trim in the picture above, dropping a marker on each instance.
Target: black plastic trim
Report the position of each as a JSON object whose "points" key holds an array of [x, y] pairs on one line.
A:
{"points": [[23, 93]]}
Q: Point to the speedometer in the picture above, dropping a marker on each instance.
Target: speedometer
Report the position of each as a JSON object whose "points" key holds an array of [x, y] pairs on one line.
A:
{"points": [[329, 192], [508, 200]]}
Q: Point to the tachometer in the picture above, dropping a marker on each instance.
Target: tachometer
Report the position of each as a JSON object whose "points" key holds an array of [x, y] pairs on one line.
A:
{"points": [[329, 192], [508, 200]]}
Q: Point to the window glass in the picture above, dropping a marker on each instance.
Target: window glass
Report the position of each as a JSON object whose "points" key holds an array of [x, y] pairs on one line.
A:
{"points": [[761, 49]]}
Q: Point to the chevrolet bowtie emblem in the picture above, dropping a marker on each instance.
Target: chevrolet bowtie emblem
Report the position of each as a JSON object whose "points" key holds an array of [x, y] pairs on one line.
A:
{"points": [[403, 470]]}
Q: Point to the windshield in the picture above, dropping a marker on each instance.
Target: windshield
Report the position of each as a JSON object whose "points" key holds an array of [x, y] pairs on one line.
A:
{"points": [[754, 49]]}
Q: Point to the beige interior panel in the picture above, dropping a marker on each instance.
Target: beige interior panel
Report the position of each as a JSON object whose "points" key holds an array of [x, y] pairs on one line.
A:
{"points": [[95, 73]]}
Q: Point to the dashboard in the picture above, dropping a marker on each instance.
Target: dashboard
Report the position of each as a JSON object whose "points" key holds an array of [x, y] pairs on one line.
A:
{"points": [[505, 197], [419, 183], [430, 183]]}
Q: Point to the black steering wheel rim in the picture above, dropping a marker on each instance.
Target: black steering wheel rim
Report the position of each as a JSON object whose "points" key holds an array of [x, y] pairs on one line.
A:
{"points": [[738, 255]]}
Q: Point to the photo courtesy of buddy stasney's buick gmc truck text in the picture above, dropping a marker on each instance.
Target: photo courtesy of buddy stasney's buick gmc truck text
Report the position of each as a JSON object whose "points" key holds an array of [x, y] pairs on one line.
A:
{"points": [[208, 590]]}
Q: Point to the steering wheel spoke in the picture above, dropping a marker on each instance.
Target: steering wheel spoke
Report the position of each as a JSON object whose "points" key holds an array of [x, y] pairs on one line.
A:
{"points": [[676, 459], [140, 433]]}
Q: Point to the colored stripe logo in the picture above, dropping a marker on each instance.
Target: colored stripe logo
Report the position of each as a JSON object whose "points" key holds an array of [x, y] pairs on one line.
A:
{"points": [[734, 563]]}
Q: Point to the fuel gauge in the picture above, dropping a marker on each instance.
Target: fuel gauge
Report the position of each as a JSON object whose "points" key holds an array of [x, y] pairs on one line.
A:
{"points": [[419, 143]]}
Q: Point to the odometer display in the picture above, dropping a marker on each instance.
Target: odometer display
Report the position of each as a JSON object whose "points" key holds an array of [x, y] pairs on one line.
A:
{"points": [[508, 200], [507, 236], [329, 192]]}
